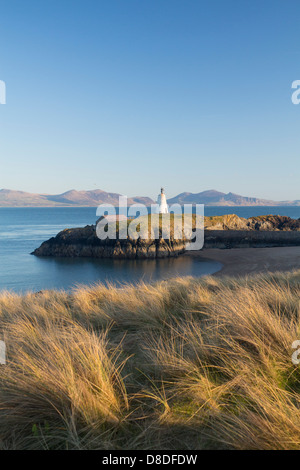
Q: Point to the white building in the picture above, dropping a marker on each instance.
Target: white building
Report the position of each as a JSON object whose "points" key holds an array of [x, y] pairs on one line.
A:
{"points": [[162, 203]]}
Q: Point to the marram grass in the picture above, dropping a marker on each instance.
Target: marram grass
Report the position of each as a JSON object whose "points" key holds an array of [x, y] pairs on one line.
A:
{"points": [[184, 364]]}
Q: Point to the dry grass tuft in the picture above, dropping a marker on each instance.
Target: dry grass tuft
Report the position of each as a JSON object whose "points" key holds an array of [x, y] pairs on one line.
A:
{"points": [[189, 363]]}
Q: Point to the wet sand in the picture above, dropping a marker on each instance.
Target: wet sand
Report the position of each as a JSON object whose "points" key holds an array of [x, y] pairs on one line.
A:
{"points": [[245, 261]]}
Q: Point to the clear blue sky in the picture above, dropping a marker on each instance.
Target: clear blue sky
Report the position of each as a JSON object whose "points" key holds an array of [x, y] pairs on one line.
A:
{"points": [[129, 95]]}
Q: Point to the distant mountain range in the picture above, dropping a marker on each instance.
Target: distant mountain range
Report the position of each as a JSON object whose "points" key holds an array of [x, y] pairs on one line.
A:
{"points": [[10, 198], [216, 198]]}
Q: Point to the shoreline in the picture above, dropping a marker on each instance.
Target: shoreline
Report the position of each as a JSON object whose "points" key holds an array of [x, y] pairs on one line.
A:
{"points": [[248, 261]]}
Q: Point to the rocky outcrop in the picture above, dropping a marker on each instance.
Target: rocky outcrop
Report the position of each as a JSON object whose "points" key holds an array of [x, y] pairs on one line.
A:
{"points": [[227, 231], [262, 223], [83, 242]]}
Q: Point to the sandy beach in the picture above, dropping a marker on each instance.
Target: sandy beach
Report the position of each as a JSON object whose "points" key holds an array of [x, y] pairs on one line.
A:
{"points": [[244, 261]]}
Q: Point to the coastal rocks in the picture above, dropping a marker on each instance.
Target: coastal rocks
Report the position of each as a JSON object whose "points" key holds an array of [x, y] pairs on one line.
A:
{"points": [[251, 238], [274, 222], [226, 222], [229, 231], [83, 242], [263, 223]]}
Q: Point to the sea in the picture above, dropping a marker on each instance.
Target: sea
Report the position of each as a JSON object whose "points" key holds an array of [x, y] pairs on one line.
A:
{"points": [[24, 229]]}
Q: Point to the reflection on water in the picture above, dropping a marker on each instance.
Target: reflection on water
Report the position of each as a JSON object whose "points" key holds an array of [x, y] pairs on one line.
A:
{"points": [[67, 272]]}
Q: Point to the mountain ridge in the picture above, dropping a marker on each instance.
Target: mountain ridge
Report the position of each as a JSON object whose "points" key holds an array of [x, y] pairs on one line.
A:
{"points": [[71, 198], [92, 198]]}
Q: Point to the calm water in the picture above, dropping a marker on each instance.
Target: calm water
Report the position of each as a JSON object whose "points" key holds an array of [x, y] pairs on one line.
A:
{"points": [[24, 229]]}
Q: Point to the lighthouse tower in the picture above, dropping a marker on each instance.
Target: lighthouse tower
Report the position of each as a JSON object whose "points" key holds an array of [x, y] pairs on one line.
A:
{"points": [[162, 203]]}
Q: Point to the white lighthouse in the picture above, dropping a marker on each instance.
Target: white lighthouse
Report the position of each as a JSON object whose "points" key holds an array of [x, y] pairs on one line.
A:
{"points": [[162, 203]]}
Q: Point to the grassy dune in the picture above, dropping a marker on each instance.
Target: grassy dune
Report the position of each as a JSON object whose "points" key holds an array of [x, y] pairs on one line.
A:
{"points": [[183, 364]]}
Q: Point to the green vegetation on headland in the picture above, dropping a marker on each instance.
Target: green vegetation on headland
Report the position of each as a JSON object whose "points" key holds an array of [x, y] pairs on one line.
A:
{"points": [[184, 364]]}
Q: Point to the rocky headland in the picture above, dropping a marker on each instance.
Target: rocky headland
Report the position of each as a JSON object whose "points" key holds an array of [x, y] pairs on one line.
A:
{"points": [[83, 242], [229, 231]]}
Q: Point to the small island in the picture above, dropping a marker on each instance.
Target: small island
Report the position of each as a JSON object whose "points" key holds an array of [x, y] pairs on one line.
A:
{"points": [[228, 231]]}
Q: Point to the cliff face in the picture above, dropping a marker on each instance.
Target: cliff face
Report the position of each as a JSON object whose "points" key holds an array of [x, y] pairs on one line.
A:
{"points": [[227, 231]]}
